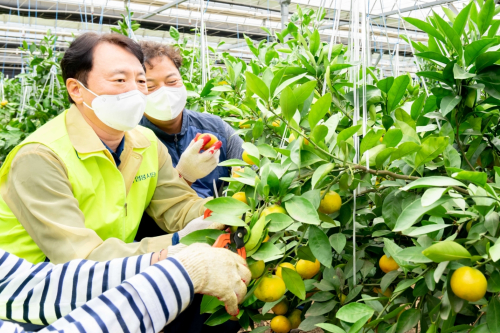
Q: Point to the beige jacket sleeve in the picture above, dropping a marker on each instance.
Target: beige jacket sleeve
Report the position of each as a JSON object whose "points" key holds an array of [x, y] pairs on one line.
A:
{"points": [[174, 202], [40, 195]]}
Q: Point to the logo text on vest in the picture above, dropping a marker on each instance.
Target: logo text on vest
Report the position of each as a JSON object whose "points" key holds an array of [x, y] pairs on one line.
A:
{"points": [[144, 176]]}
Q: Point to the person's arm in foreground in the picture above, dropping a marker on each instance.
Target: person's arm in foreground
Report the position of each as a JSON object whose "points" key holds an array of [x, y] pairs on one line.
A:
{"points": [[153, 298], [44, 203], [40, 294]]}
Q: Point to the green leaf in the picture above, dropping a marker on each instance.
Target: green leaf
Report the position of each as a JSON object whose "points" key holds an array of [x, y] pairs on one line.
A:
{"points": [[392, 137], [425, 27], [330, 328], [414, 212], [321, 172], [302, 210], [225, 205], [319, 133], [303, 91], [404, 149], [370, 140], [387, 279], [228, 219], [257, 86], [432, 181], [408, 320], [279, 221], [493, 314], [338, 242], [474, 49], [256, 234], [294, 282], [200, 236], [385, 84], [414, 254], [460, 73], [174, 33], [448, 103], [387, 121], [319, 308], [382, 156], [416, 107], [320, 245], [347, 133], [310, 323], [441, 59], [288, 103], [209, 303], [218, 318], [461, 20], [315, 42], [485, 16], [352, 312], [494, 282], [476, 177], [432, 147], [397, 92], [427, 229], [446, 251], [266, 251], [319, 109], [486, 59], [450, 33]]}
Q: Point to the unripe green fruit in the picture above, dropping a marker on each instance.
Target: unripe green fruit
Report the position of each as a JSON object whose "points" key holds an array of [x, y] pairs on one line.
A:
{"points": [[470, 100]]}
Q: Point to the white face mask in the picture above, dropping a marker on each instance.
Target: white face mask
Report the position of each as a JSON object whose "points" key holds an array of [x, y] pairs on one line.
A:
{"points": [[123, 112], [166, 103]]}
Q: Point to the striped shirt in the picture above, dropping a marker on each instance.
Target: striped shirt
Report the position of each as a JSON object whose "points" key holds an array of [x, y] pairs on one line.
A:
{"points": [[90, 297]]}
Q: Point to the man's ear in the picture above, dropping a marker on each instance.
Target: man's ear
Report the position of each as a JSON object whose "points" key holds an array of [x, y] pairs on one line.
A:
{"points": [[74, 90]]}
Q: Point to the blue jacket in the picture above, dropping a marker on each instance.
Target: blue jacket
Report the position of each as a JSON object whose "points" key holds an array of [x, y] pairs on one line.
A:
{"points": [[193, 123]]}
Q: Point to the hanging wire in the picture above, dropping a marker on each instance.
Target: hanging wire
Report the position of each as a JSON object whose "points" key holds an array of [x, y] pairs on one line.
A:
{"points": [[102, 15]]}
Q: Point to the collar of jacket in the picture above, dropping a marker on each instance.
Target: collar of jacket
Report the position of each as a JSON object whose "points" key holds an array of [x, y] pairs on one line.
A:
{"points": [[85, 140], [164, 135]]}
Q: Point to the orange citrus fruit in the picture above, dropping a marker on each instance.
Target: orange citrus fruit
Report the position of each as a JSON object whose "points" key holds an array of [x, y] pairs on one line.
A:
{"points": [[266, 239], [276, 123], [387, 293], [270, 289], [273, 209], [213, 139], [468, 283], [388, 264], [257, 269], [281, 308], [307, 269], [331, 203], [286, 265], [342, 298], [240, 196], [281, 324], [245, 158], [237, 169], [294, 318]]}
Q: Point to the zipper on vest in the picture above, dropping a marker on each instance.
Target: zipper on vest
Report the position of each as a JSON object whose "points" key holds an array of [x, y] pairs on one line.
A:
{"points": [[176, 140]]}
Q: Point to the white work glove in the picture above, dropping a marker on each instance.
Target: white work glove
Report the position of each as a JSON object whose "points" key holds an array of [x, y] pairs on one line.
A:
{"points": [[216, 272], [193, 165], [198, 223]]}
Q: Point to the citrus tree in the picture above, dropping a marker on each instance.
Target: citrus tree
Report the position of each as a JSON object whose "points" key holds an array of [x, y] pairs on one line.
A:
{"points": [[34, 96], [405, 239]]}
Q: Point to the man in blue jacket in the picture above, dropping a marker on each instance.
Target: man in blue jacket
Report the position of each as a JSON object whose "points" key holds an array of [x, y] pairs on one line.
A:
{"points": [[177, 128]]}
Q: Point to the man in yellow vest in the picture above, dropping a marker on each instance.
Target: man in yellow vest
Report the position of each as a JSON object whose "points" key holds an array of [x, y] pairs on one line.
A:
{"points": [[78, 186]]}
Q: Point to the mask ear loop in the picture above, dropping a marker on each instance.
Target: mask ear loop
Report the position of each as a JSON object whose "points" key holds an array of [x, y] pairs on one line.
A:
{"points": [[90, 91]]}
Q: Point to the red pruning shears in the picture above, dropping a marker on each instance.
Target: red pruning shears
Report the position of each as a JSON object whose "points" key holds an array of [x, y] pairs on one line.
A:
{"points": [[231, 241]]}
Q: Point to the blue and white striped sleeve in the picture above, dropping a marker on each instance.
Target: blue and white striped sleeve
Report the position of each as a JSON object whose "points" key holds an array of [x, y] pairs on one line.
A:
{"points": [[41, 294], [145, 303]]}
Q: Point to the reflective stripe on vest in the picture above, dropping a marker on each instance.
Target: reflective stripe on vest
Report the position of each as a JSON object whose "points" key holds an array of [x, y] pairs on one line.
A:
{"points": [[97, 184]]}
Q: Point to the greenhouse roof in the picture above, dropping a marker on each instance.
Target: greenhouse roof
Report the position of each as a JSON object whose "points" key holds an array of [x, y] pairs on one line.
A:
{"points": [[227, 21]]}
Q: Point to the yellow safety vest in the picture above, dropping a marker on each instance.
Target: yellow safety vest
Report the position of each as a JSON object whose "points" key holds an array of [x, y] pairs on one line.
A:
{"points": [[97, 184]]}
